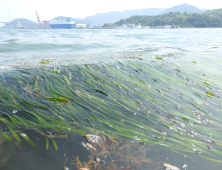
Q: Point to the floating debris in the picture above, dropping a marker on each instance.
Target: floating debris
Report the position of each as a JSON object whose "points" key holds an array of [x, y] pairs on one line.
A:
{"points": [[98, 160], [84, 145], [90, 146], [14, 111], [184, 165], [82, 166], [198, 152], [45, 61], [94, 138], [210, 147], [170, 167], [48, 132], [118, 156]]}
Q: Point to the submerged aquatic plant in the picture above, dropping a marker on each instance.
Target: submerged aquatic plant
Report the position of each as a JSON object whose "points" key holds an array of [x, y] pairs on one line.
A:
{"points": [[45, 61], [150, 102], [57, 99], [109, 154]]}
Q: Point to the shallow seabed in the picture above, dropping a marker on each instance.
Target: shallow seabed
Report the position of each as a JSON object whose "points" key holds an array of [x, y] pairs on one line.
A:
{"points": [[152, 96]]}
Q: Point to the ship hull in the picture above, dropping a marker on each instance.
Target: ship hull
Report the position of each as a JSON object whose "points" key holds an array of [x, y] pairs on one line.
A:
{"points": [[67, 24], [62, 26]]}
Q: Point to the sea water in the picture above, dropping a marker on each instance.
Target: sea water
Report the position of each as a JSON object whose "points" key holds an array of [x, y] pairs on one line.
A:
{"points": [[27, 48], [32, 45]]}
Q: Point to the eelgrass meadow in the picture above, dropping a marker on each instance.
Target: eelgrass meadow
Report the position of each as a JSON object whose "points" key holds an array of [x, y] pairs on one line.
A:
{"points": [[160, 100]]}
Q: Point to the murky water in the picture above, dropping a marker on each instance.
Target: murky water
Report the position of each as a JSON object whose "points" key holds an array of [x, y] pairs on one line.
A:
{"points": [[22, 50]]}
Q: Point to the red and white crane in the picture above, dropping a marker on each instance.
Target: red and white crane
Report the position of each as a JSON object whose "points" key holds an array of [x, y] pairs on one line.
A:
{"points": [[41, 24]]}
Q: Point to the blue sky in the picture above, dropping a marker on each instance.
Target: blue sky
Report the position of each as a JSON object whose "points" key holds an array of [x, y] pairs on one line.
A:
{"points": [[48, 9]]}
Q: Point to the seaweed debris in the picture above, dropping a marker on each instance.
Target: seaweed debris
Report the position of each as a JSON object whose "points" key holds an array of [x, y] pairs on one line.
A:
{"points": [[112, 155]]}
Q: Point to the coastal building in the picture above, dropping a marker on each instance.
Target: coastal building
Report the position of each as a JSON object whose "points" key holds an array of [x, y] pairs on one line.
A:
{"points": [[167, 26], [123, 27], [92, 26], [138, 26], [146, 27], [80, 26], [130, 26], [127, 26]]}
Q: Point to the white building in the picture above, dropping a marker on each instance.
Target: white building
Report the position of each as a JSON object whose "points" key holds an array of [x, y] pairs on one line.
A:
{"points": [[80, 25]]}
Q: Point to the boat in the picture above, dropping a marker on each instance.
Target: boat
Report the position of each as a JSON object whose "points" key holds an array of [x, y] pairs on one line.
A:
{"points": [[167, 26], [123, 27], [138, 27], [170, 26], [65, 24], [146, 27], [173, 26], [20, 26]]}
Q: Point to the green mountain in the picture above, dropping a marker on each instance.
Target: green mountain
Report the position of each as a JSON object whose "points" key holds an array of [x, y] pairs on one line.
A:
{"points": [[114, 16], [184, 8], [212, 18], [25, 22], [214, 12]]}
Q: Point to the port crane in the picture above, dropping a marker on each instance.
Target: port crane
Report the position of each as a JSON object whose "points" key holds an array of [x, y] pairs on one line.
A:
{"points": [[41, 24]]}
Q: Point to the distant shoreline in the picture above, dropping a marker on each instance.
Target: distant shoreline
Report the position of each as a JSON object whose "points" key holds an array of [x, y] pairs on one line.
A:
{"points": [[2, 28]]}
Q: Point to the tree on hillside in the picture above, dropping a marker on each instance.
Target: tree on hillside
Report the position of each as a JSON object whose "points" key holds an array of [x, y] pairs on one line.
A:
{"points": [[181, 20]]}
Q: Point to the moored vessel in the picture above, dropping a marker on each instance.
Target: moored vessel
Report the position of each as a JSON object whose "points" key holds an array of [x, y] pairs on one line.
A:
{"points": [[65, 24], [20, 26]]}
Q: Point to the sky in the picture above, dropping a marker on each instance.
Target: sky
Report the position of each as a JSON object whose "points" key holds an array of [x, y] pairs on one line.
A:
{"points": [[48, 9]]}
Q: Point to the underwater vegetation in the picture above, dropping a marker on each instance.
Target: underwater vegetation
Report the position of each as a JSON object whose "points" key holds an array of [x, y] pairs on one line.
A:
{"points": [[171, 103], [109, 154]]}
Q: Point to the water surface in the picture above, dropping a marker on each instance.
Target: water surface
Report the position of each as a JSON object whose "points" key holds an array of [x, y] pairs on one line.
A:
{"points": [[184, 55]]}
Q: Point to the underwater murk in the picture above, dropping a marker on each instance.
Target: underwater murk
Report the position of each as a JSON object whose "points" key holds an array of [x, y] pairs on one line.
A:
{"points": [[129, 113]]}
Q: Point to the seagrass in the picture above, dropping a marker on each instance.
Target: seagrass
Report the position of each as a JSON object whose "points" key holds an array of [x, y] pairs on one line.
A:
{"points": [[158, 101]]}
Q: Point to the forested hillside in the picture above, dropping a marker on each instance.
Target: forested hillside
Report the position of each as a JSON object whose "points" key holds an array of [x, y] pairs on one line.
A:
{"points": [[25, 22], [212, 18]]}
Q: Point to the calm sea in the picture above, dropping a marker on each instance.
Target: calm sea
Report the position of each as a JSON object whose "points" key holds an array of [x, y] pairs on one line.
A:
{"points": [[32, 46], [28, 47]]}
